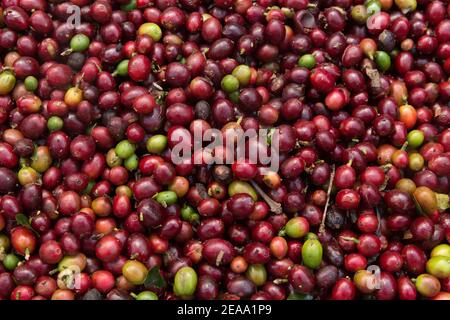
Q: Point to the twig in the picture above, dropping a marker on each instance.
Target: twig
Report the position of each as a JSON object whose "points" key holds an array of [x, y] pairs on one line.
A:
{"points": [[330, 186], [274, 206], [280, 281], [378, 232]]}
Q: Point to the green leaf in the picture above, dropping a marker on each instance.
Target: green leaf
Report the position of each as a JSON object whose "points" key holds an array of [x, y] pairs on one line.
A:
{"points": [[22, 220], [155, 279]]}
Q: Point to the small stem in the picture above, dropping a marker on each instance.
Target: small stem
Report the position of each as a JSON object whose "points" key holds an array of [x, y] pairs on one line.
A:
{"points": [[98, 67], [77, 85], [280, 281], [219, 258], [66, 52], [378, 232], [405, 99], [407, 235], [330, 186], [384, 184], [404, 146], [300, 143], [350, 239], [52, 272], [157, 86], [7, 69], [274, 206], [350, 162], [134, 256]]}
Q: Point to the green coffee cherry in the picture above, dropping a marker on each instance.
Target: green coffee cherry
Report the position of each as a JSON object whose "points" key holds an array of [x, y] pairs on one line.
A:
{"points": [[257, 274], [243, 74], [157, 143], [145, 295], [297, 227], [7, 82], [373, 6], [185, 282], [428, 285], [242, 187], [312, 236], [166, 198], [31, 83], [187, 213], [27, 175], [132, 162], [229, 83], [307, 61], [135, 272], [4, 242], [125, 190], [151, 29], [415, 138], [415, 161], [41, 159], [441, 250], [122, 68], [383, 60], [359, 13], [10, 261], [406, 5], [77, 261], [55, 123], [79, 42], [439, 267], [112, 159], [125, 149], [312, 253]]}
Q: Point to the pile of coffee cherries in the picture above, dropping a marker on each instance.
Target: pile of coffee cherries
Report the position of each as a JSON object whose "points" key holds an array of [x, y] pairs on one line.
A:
{"points": [[95, 96]]}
